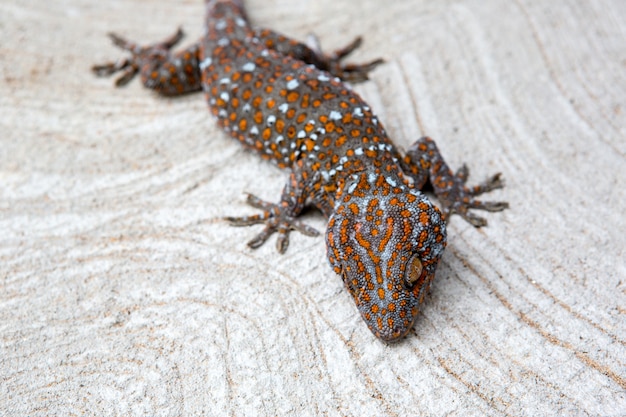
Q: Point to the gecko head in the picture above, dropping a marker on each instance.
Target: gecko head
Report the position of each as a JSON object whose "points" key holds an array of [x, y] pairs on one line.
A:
{"points": [[385, 239]]}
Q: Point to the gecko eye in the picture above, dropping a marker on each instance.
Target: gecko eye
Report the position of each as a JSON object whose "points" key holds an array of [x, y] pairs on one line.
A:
{"points": [[413, 271]]}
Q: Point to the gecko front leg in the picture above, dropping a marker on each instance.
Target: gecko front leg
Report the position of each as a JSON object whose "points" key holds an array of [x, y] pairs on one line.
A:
{"points": [[424, 163], [333, 62], [281, 217]]}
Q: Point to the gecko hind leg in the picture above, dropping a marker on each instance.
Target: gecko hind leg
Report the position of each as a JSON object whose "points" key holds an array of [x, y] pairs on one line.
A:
{"points": [[312, 54], [130, 66], [348, 72], [166, 73]]}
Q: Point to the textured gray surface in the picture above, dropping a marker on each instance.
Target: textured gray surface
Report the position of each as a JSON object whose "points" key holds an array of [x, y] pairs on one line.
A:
{"points": [[123, 293]]}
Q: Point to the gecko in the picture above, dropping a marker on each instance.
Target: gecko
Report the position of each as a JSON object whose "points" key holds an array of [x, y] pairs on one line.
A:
{"points": [[294, 105]]}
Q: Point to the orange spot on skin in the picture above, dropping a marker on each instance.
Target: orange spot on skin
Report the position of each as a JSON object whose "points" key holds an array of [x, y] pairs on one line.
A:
{"points": [[305, 101], [280, 125], [293, 96], [390, 322], [387, 237], [340, 141]]}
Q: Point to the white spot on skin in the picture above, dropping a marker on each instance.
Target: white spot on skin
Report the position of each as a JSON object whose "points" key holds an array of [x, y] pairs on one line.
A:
{"points": [[357, 112], [224, 96], [334, 115], [265, 53], [301, 134], [225, 80], [323, 77], [271, 119], [352, 188], [246, 108], [254, 130], [280, 139], [223, 42], [240, 22], [293, 84], [283, 107], [249, 66], [391, 182], [205, 63], [222, 113], [358, 151], [221, 24]]}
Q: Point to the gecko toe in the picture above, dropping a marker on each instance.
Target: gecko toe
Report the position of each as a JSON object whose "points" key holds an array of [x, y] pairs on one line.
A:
{"points": [[277, 219]]}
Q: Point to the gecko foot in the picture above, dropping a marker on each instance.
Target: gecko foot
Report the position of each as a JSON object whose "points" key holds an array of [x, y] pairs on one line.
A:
{"points": [[277, 218], [131, 66], [459, 198], [347, 72]]}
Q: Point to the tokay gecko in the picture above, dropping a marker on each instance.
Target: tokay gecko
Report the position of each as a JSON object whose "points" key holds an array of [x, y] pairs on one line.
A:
{"points": [[290, 103]]}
